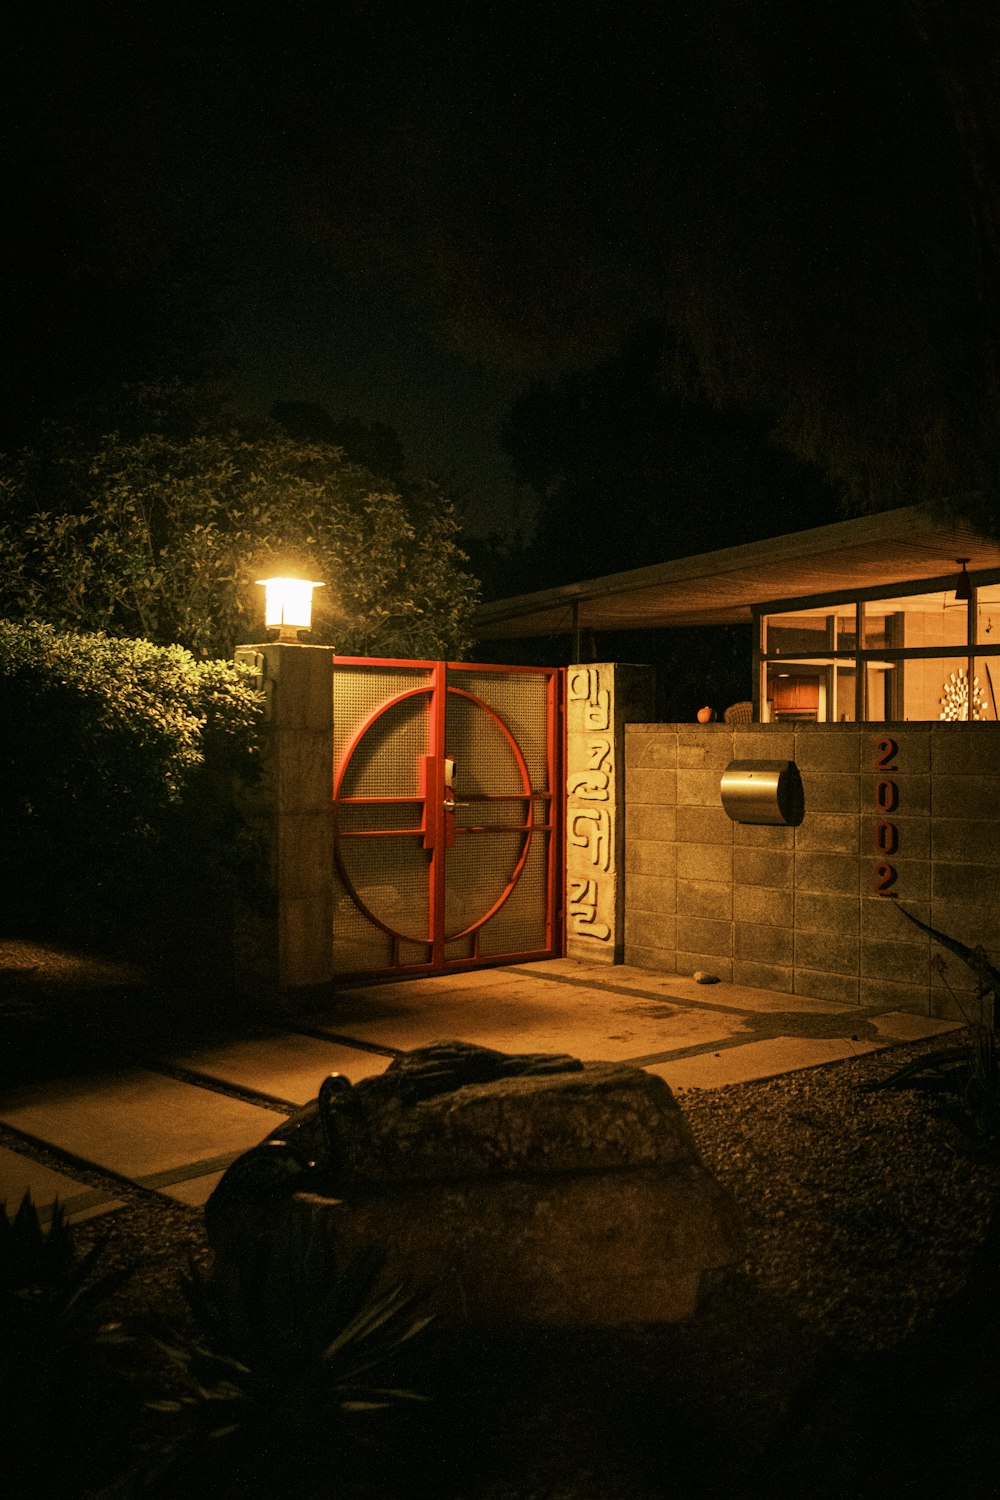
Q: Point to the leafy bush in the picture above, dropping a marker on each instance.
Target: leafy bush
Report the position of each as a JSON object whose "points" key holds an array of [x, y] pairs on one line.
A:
{"points": [[163, 534], [50, 1298], [115, 763]]}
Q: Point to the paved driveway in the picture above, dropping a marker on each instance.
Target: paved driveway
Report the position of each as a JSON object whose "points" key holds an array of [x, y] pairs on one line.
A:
{"points": [[173, 1125]]}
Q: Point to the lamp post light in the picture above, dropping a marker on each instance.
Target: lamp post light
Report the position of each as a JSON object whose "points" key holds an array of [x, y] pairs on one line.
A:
{"points": [[288, 606], [287, 941]]}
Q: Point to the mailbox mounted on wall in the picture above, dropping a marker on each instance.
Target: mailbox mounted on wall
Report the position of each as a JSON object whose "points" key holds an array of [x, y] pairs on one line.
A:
{"points": [[762, 791]]}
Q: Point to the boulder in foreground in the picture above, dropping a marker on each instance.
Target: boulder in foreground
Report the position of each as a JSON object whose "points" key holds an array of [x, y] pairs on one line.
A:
{"points": [[534, 1189]]}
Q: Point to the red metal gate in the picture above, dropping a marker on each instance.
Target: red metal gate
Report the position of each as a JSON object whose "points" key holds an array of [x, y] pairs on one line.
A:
{"points": [[448, 833]]}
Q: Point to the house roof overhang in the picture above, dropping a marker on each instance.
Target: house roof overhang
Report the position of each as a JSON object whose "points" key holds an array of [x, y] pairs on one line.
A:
{"points": [[722, 588]]}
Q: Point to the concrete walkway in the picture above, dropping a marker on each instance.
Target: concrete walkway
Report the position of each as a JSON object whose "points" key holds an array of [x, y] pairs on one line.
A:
{"points": [[175, 1125]]}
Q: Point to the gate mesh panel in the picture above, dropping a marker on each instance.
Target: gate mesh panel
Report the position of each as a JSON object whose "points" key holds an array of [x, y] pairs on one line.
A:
{"points": [[520, 698], [519, 926], [415, 953], [358, 946], [389, 874], [481, 865], [480, 868], [541, 810], [359, 691], [378, 815], [386, 763], [389, 877], [485, 759]]}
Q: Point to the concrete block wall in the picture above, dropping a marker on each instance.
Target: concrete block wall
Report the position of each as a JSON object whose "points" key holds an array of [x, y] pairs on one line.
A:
{"points": [[284, 941], [911, 808]]}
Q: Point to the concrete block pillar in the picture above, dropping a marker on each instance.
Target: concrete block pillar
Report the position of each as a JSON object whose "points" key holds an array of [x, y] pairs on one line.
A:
{"points": [[284, 939], [601, 698]]}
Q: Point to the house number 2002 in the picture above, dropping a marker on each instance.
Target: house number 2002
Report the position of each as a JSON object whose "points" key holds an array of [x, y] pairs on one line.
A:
{"points": [[886, 832]]}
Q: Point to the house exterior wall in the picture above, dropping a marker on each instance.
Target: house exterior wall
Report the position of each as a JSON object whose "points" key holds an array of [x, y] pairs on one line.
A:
{"points": [[912, 809]]}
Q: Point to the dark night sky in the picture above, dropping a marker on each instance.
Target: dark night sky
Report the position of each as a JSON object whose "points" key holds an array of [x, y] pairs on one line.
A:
{"points": [[406, 213]]}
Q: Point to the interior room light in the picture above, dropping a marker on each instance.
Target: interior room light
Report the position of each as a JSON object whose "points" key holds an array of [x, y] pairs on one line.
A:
{"points": [[288, 606]]}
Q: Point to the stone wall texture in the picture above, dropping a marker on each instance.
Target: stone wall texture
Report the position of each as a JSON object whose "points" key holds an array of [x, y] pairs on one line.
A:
{"points": [[895, 816], [285, 943]]}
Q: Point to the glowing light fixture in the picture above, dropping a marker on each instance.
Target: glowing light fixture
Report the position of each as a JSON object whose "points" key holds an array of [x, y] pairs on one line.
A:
{"points": [[288, 606], [963, 587]]}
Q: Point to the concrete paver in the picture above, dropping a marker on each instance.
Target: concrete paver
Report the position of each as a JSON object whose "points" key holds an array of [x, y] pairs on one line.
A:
{"points": [[21, 1174], [526, 1015], [177, 1137], [137, 1123], [901, 1026], [775, 1056], [719, 1034], [679, 988], [287, 1066], [194, 1191], [769, 1058]]}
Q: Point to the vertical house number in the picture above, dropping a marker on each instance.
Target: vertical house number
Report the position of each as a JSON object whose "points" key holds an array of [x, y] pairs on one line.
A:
{"points": [[886, 832]]}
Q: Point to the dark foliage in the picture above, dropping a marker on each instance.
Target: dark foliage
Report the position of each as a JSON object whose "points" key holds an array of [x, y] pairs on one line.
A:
{"points": [[629, 469], [964, 1080], [116, 759], [373, 445], [65, 1409], [289, 1369]]}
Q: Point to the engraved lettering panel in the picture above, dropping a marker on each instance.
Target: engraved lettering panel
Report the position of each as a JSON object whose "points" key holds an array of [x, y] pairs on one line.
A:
{"points": [[591, 813]]}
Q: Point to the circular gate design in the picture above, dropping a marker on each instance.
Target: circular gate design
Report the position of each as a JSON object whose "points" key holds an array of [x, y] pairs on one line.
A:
{"points": [[414, 855]]}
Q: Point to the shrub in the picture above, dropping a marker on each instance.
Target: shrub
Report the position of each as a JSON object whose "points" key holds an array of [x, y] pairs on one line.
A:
{"points": [[57, 1364], [964, 1080], [295, 1357], [163, 536], [115, 763]]}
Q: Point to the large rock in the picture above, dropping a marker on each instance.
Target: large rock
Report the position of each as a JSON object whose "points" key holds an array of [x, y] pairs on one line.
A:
{"points": [[570, 1196], [596, 1119]]}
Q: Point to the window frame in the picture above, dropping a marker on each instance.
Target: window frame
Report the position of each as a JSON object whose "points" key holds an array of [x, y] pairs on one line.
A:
{"points": [[861, 656]]}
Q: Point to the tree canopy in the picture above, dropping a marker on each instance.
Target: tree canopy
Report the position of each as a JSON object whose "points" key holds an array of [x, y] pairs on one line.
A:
{"points": [[628, 469], [163, 534]]}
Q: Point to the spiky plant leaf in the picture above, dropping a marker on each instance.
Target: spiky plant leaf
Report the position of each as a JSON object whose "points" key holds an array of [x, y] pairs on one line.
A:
{"points": [[39, 1268], [968, 1072], [976, 958], [289, 1339]]}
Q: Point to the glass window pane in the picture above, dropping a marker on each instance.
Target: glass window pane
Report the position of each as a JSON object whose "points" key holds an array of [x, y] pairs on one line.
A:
{"points": [[917, 620], [842, 710], [793, 690], [987, 679], [935, 688], [881, 682], [988, 616], [808, 632], [819, 691]]}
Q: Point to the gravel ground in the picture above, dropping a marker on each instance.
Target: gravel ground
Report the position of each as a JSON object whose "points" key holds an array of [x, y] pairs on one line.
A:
{"points": [[861, 1210], [862, 1213], [842, 1358]]}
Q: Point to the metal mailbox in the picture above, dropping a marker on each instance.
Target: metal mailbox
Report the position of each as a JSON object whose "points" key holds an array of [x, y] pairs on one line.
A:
{"points": [[762, 791]]}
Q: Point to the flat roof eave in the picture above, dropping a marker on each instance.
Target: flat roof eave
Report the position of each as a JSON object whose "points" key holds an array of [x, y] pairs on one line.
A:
{"points": [[722, 587]]}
